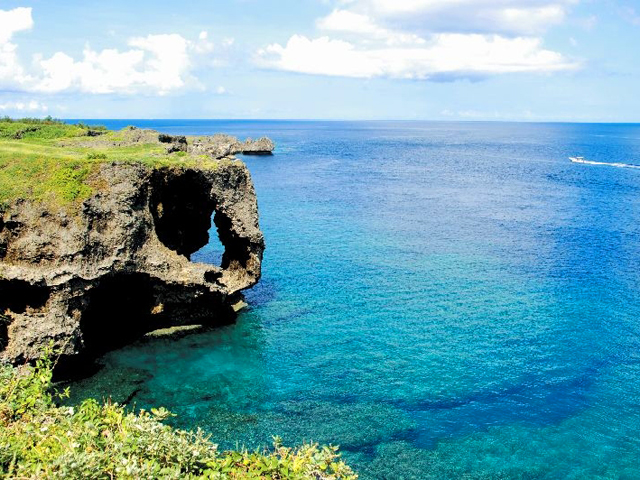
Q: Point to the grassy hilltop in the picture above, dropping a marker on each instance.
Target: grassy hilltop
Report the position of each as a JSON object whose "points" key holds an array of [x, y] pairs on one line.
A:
{"points": [[54, 162]]}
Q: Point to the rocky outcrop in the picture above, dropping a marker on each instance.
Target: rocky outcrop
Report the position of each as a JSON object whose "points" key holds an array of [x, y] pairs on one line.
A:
{"points": [[220, 146], [92, 280], [262, 146], [175, 143], [215, 146]]}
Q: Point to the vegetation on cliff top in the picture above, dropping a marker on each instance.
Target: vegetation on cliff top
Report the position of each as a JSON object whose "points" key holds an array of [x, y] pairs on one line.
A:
{"points": [[39, 439], [56, 163]]}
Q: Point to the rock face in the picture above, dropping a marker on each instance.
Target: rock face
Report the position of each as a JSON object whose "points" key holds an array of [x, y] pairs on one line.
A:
{"points": [[120, 267], [220, 146], [175, 143], [262, 146]]}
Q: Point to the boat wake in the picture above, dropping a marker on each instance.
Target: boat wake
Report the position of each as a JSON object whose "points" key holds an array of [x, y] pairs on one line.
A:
{"points": [[590, 162]]}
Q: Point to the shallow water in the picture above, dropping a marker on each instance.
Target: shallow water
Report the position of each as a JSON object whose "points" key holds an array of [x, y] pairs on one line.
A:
{"points": [[439, 299]]}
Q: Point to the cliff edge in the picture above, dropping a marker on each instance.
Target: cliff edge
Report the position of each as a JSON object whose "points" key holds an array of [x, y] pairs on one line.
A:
{"points": [[117, 264]]}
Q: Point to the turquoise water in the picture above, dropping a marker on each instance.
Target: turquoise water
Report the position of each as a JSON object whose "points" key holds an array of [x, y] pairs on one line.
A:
{"points": [[439, 299]]}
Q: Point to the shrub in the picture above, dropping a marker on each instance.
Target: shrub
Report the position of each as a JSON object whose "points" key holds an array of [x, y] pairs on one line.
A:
{"points": [[39, 439], [96, 156], [48, 120]]}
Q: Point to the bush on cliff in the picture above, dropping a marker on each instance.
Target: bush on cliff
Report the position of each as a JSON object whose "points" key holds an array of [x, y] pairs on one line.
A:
{"points": [[41, 440]]}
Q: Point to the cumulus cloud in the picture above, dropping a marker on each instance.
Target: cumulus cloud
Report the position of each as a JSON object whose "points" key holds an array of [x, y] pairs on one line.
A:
{"points": [[153, 65], [11, 22], [390, 38], [446, 56]]}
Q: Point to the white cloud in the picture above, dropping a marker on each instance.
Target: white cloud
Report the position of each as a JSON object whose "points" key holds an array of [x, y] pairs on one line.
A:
{"points": [[156, 64], [12, 73], [221, 90], [152, 65], [13, 21], [426, 39], [352, 23], [31, 106], [446, 56]]}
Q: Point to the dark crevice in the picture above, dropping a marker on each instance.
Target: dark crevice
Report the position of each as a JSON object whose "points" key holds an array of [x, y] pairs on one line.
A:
{"points": [[18, 296], [182, 206], [126, 306], [212, 276], [4, 331], [3, 241], [118, 312]]}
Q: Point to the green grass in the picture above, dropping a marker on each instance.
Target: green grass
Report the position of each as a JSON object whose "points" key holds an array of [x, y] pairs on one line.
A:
{"points": [[39, 439], [48, 161]]}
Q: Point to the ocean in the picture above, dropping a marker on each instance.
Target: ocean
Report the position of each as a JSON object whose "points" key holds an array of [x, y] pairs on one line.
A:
{"points": [[442, 300]]}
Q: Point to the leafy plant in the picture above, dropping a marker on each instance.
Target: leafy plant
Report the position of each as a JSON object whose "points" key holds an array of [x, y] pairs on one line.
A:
{"points": [[39, 439]]}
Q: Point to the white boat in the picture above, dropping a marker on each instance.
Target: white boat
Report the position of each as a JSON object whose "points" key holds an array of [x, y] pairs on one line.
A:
{"points": [[590, 162]]}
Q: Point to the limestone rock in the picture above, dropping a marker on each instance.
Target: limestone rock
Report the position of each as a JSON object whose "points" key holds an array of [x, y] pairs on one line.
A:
{"points": [[120, 267], [262, 146], [217, 146], [221, 146], [175, 143]]}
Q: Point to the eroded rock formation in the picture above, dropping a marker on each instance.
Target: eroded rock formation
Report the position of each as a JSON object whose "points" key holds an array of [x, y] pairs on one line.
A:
{"points": [[220, 146], [120, 267]]}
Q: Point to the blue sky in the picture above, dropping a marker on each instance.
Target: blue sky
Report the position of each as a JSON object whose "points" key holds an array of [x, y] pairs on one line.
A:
{"points": [[531, 60]]}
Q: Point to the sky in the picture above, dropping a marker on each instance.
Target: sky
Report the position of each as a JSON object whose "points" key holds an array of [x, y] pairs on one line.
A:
{"points": [[502, 60]]}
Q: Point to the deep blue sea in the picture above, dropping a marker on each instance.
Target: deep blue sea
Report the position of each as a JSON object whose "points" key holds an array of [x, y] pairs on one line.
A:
{"points": [[442, 300]]}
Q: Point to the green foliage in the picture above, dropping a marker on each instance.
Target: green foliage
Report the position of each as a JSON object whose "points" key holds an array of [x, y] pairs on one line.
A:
{"points": [[41, 174], [41, 440], [45, 129], [52, 162], [29, 129], [68, 181]]}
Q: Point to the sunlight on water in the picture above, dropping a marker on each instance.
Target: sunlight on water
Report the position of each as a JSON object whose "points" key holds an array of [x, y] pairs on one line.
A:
{"points": [[440, 300]]}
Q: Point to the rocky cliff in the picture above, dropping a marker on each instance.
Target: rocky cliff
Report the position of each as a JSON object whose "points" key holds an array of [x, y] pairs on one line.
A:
{"points": [[120, 266]]}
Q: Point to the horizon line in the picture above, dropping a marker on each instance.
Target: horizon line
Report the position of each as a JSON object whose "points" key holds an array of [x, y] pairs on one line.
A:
{"points": [[586, 122]]}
